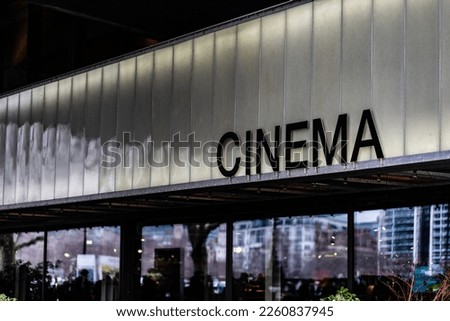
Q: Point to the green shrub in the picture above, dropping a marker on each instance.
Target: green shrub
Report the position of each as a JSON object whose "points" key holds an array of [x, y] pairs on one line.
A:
{"points": [[3, 297], [343, 294]]}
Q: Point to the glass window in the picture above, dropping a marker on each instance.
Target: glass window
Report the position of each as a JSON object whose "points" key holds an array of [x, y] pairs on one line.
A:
{"points": [[83, 264], [400, 248], [302, 258], [183, 261], [21, 265]]}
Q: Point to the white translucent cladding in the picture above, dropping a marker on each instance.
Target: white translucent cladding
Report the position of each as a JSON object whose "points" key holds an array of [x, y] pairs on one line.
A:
{"points": [[223, 109], [272, 79], [247, 81], [326, 75], [388, 74], [445, 74], [36, 144], [298, 70], [11, 149], [161, 115], [356, 69], [23, 145], [181, 113], [3, 112], [108, 134], [77, 143], [142, 120], [125, 114], [202, 98], [49, 141], [422, 77], [92, 119], [63, 138]]}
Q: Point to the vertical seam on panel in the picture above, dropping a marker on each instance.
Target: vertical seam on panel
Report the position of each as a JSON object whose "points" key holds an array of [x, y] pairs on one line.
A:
{"points": [[258, 123], [117, 122], [213, 92], [190, 132], [284, 72], [236, 28], [133, 111], [311, 81], [29, 146], [405, 40], [70, 136], [341, 57], [56, 138], [100, 130], [440, 74], [172, 81], [371, 62], [151, 144], [83, 137], [4, 154]]}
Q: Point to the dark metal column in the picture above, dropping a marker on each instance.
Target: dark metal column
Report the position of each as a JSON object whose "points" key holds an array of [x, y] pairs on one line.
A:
{"points": [[130, 261], [350, 250], [45, 268], [229, 263]]}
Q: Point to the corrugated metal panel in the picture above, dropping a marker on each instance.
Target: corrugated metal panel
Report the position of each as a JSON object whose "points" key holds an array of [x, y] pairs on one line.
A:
{"points": [[316, 60], [388, 74]]}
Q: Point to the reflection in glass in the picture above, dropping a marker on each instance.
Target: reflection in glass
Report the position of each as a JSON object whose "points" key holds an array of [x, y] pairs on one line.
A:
{"points": [[84, 263], [21, 268], [183, 262], [302, 258], [401, 248]]}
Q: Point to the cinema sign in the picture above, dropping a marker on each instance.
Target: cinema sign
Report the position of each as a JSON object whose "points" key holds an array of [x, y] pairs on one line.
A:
{"points": [[338, 149]]}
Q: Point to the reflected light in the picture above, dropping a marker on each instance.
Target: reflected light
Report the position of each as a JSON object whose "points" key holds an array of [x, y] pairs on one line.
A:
{"points": [[89, 242], [115, 250], [142, 240], [238, 250], [66, 254], [139, 251]]}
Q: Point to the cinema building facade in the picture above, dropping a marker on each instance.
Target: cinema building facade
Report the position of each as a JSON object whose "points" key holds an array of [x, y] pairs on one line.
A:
{"points": [[277, 156]]}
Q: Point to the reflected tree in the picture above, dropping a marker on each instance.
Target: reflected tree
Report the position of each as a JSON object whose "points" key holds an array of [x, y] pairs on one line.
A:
{"points": [[198, 235], [9, 245]]}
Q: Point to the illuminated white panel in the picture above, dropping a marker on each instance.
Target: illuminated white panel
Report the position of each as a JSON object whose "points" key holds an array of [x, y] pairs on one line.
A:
{"points": [[108, 127], [3, 115], [356, 68], [202, 99], [49, 141], [298, 74], [445, 76], [247, 80], [326, 75], [143, 120], [422, 77], [11, 149], [388, 74], [92, 132], [77, 136], [298, 63], [224, 86], [181, 113], [35, 147], [271, 107], [23, 145], [63, 138], [125, 112], [161, 112]]}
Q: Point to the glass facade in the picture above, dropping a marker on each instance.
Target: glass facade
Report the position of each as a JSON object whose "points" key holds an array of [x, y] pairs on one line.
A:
{"points": [[395, 254], [401, 248], [183, 261], [301, 257], [82, 264]]}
